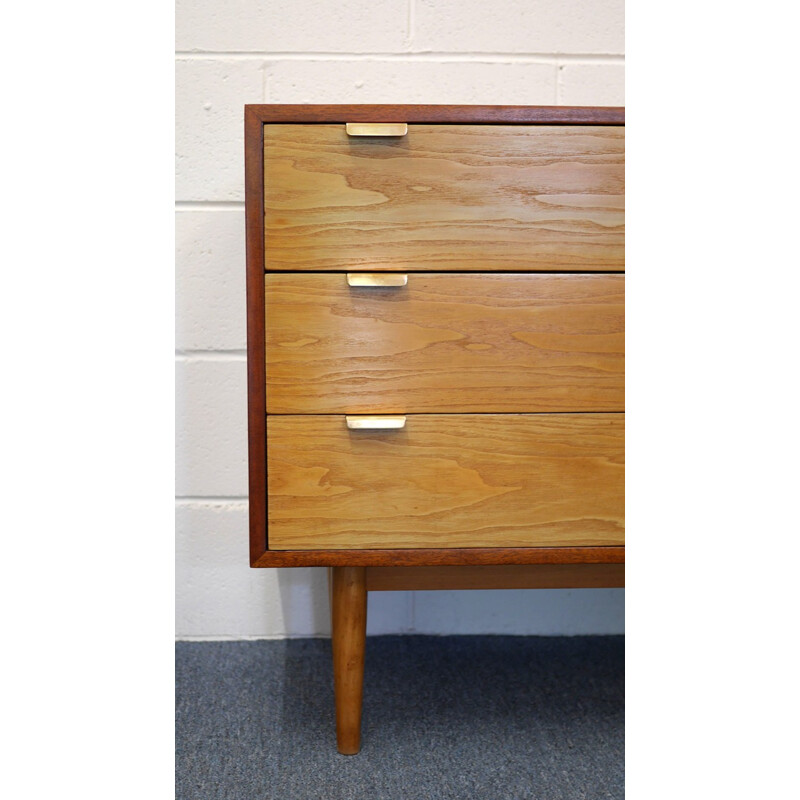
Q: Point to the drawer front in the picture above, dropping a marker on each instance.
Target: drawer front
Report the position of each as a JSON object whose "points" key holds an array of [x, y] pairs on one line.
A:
{"points": [[445, 342], [446, 481], [445, 197]]}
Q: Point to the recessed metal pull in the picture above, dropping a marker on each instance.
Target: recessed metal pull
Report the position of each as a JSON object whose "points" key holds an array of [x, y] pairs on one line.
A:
{"points": [[380, 423], [376, 279], [376, 128]]}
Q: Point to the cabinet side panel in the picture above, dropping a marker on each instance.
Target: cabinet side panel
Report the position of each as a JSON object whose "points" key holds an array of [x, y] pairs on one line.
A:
{"points": [[256, 348]]}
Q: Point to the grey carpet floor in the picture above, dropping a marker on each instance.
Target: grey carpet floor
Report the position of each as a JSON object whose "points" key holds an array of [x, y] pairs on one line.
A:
{"points": [[456, 717]]}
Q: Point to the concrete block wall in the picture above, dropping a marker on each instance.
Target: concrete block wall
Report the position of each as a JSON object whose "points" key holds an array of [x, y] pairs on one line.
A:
{"points": [[564, 52]]}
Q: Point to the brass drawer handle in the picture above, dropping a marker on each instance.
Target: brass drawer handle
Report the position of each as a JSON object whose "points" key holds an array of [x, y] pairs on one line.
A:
{"points": [[377, 423], [376, 128], [385, 279]]}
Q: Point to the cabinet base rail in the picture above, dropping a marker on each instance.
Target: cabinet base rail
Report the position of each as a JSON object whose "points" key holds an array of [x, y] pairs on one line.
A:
{"points": [[348, 593]]}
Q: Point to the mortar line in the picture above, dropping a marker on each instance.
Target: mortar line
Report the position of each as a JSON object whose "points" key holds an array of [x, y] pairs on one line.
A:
{"points": [[210, 355], [209, 205], [455, 57], [187, 499]]}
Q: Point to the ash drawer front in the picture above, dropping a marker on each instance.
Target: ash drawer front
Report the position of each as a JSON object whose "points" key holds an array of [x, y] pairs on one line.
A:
{"points": [[446, 480], [445, 342], [445, 197]]}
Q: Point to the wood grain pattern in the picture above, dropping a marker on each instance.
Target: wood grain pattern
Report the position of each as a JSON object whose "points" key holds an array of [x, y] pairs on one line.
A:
{"points": [[445, 197], [415, 112], [448, 480], [348, 639], [538, 576], [454, 556], [256, 378], [445, 342]]}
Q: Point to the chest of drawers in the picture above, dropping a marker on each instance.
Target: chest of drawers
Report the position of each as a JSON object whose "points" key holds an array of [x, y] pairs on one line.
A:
{"points": [[435, 352]]}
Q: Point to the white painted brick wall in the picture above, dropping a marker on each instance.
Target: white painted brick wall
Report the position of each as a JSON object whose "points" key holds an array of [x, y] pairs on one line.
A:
{"points": [[209, 313], [590, 84], [399, 81], [211, 425], [291, 26], [519, 26], [566, 52], [209, 119]]}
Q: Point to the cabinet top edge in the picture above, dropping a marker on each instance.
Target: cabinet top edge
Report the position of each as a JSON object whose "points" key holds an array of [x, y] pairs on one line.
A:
{"points": [[541, 115]]}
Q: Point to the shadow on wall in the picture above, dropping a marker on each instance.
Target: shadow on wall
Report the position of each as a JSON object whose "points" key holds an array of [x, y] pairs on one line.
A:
{"points": [[305, 602], [305, 605], [305, 608]]}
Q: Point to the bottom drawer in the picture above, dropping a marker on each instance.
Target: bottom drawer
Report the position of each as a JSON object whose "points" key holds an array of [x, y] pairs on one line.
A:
{"points": [[446, 480]]}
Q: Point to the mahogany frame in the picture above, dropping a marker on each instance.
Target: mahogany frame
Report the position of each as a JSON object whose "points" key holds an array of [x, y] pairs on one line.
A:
{"points": [[255, 117]]}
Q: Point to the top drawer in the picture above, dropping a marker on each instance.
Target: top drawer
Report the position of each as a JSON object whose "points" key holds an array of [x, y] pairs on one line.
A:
{"points": [[445, 197]]}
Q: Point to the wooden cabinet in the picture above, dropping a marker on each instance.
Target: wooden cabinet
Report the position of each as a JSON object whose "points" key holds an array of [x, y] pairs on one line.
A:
{"points": [[435, 352]]}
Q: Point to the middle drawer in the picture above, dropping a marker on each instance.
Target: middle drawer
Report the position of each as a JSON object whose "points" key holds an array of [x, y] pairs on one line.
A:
{"points": [[470, 343]]}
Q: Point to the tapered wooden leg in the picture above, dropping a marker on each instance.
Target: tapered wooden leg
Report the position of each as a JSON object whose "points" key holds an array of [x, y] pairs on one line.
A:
{"points": [[349, 635]]}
